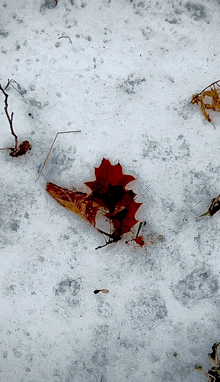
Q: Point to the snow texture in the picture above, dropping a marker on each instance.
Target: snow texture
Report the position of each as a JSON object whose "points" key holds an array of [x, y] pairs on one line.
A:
{"points": [[123, 73]]}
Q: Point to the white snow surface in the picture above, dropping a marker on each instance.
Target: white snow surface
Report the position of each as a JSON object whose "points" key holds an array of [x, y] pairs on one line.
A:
{"points": [[124, 75]]}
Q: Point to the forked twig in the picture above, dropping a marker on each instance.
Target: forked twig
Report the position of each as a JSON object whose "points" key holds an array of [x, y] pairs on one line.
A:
{"points": [[60, 132], [10, 119], [107, 242], [23, 147]]}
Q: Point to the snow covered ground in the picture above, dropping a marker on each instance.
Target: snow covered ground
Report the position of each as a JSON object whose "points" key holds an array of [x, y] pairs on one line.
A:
{"points": [[124, 76]]}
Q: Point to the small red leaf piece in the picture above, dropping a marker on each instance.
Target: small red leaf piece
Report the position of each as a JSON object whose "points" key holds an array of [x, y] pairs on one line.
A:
{"points": [[22, 149], [140, 241], [74, 201], [124, 220], [149, 240]]}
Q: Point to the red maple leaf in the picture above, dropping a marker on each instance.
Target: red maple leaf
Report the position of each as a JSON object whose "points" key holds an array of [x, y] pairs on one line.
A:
{"points": [[109, 195], [109, 187]]}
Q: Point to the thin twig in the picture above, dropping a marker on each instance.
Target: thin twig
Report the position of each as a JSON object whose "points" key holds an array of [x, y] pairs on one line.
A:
{"points": [[190, 209], [142, 192], [105, 233], [104, 245], [110, 240], [10, 119], [65, 37], [61, 132], [7, 84]]}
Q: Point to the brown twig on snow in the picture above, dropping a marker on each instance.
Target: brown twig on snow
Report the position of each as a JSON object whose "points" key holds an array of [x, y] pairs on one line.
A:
{"points": [[25, 146], [61, 132], [65, 37], [10, 119]]}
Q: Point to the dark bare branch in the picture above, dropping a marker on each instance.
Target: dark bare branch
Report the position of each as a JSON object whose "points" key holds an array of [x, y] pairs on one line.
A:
{"points": [[10, 119]]}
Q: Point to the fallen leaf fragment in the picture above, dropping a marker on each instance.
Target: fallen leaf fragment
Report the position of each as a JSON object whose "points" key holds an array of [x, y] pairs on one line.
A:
{"points": [[213, 356], [149, 240], [208, 98], [213, 208], [140, 241], [213, 375], [22, 149], [101, 290], [124, 220], [74, 201]]}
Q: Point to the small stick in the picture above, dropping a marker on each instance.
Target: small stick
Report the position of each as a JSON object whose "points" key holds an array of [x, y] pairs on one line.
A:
{"points": [[65, 37], [10, 119], [190, 209], [105, 233], [104, 245], [61, 132], [141, 192], [7, 84]]}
